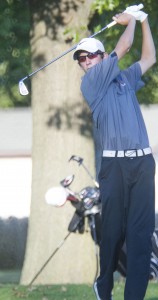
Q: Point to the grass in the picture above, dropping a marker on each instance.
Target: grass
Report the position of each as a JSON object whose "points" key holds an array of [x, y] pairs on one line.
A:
{"points": [[65, 292]]}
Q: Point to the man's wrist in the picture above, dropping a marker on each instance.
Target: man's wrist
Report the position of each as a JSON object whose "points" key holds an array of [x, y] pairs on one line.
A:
{"points": [[143, 16]]}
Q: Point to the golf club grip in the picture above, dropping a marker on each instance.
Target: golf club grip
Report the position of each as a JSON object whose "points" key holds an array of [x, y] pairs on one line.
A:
{"points": [[111, 24]]}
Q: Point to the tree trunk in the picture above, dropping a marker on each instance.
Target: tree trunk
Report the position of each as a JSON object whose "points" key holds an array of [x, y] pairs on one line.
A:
{"points": [[61, 128]]}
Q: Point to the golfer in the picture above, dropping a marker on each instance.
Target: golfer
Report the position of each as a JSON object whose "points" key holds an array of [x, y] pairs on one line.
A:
{"points": [[126, 177]]}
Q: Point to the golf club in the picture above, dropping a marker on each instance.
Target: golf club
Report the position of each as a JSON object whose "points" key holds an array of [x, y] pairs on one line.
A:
{"points": [[22, 87], [79, 160]]}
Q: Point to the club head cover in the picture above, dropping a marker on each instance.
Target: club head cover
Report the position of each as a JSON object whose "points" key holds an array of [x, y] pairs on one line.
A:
{"points": [[56, 196]]}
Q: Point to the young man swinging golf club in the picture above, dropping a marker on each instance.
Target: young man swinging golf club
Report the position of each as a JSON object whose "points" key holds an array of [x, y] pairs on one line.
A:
{"points": [[126, 177]]}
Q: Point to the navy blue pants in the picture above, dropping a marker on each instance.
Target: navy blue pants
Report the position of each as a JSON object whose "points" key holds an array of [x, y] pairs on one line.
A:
{"points": [[127, 187]]}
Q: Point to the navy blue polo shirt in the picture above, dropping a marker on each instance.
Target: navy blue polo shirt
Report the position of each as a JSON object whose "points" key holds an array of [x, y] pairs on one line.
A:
{"points": [[110, 94]]}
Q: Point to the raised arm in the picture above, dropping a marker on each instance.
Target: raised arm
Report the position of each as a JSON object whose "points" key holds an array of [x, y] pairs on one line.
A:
{"points": [[148, 55], [126, 40]]}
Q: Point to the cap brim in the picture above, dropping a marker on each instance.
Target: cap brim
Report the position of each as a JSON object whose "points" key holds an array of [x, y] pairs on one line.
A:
{"points": [[88, 45]]}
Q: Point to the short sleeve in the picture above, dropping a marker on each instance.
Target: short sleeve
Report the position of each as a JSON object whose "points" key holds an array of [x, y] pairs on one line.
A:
{"points": [[133, 75]]}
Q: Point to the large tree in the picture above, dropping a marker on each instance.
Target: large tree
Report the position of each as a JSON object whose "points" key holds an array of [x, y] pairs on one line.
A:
{"points": [[61, 127]]}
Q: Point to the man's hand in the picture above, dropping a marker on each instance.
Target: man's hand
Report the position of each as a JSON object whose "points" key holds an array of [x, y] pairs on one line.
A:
{"points": [[135, 7], [138, 14], [123, 18]]}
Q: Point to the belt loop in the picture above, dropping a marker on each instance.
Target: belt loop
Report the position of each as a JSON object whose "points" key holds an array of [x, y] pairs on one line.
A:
{"points": [[116, 153]]}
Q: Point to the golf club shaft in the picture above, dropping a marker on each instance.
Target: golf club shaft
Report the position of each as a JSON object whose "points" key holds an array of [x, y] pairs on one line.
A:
{"points": [[140, 6], [50, 257], [66, 52], [46, 65], [94, 181]]}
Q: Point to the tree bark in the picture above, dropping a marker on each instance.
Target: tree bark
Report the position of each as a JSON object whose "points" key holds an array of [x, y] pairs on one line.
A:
{"points": [[61, 128]]}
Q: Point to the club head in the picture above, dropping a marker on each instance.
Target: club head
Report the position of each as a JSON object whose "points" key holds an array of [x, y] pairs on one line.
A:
{"points": [[56, 196], [77, 159], [22, 88], [67, 181]]}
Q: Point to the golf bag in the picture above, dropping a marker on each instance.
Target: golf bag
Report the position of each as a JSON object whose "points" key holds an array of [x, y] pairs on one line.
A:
{"points": [[88, 206]]}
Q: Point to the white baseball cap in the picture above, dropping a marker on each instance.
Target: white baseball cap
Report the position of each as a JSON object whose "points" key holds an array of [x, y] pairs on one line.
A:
{"points": [[89, 45]]}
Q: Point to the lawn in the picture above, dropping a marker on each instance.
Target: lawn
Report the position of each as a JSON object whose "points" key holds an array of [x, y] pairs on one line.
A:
{"points": [[65, 292]]}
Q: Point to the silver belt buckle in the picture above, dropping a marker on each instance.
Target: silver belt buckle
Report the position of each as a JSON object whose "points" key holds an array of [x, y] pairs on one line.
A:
{"points": [[130, 153]]}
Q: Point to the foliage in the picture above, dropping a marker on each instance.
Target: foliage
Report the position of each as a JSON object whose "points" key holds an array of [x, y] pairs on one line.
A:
{"points": [[14, 52], [104, 5], [64, 292]]}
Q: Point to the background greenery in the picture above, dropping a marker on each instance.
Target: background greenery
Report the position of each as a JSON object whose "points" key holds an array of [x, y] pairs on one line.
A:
{"points": [[15, 56], [14, 51]]}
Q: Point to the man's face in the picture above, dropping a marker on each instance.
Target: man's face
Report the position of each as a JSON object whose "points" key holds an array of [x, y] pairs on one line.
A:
{"points": [[87, 60]]}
